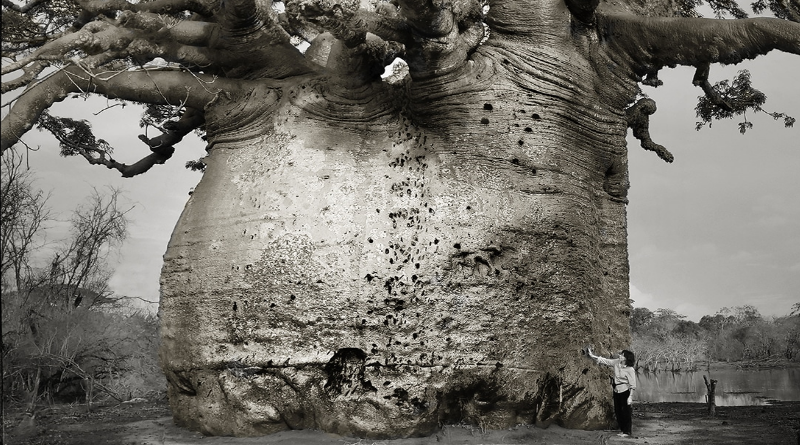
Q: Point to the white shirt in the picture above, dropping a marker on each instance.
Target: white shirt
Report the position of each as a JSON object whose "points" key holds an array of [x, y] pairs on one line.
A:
{"points": [[624, 375]]}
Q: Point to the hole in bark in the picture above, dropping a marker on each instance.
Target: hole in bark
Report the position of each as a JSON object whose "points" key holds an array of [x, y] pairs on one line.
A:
{"points": [[536, 116], [234, 306], [520, 142], [457, 245], [484, 121], [488, 107], [475, 399], [515, 161], [346, 373], [528, 129]]}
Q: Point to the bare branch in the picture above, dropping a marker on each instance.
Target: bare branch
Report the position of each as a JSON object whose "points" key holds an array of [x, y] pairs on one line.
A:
{"points": [[638, 116], [150, 86], [29, 73], [107, 42]]}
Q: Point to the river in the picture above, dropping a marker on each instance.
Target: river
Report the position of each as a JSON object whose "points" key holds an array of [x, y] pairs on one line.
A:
{"points": [[734, 387]]}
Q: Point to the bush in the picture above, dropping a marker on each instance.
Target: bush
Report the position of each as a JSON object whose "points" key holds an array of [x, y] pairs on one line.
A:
{"points": [[79, 354]]}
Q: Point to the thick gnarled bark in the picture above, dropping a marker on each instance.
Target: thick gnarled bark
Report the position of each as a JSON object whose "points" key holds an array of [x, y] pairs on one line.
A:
{"points": [[434, 266]]}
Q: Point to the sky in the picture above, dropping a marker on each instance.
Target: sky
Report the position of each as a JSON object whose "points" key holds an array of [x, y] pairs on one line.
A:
{"points": [[719, 227]]}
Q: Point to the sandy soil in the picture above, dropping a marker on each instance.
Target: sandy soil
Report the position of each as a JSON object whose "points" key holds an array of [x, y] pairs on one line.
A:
{"points": [[149, 423]]}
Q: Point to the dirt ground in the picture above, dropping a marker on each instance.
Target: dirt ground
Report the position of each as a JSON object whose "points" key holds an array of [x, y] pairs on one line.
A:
{"points": [[149, 423]]}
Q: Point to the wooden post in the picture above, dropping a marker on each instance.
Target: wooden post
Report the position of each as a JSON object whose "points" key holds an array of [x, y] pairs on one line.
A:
{"points": [[712, 404]]}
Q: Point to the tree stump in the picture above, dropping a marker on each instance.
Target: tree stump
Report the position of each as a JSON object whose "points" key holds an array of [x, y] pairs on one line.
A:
{"points": [[711, 386]]}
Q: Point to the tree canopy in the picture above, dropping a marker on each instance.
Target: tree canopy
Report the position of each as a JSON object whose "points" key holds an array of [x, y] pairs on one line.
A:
{"points": [[179, 56]]}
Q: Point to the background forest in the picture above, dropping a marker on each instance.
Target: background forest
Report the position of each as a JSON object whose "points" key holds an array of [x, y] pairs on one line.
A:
{"points": [[665, 340], [66, 337]]}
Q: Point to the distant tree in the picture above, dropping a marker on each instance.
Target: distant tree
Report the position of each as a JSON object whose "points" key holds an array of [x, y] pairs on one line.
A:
{"points": [[665, 340], [78, 272], [747, 314], [23, 212], [795, 310], [687, 328], [640, 318], [789, 330], [716, 323]]}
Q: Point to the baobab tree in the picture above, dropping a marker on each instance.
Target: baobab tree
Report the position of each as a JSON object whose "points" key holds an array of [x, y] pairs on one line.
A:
{"points": [[378, 256]]}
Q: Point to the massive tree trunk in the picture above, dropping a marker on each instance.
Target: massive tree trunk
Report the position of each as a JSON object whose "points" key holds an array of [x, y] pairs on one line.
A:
{"points": [[383, 259]]}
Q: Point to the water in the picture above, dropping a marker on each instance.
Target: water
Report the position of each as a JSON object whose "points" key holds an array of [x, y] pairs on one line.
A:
{"points": [[734, 388]]}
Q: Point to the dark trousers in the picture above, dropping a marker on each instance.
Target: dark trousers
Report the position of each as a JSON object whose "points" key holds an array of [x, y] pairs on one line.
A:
{"points": [[623, 411]]}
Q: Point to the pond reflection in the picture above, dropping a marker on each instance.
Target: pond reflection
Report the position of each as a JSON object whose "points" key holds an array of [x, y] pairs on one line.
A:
{"points": [[734, 388]]}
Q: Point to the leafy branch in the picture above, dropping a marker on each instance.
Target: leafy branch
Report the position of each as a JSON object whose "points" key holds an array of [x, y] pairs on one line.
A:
{"points": [[728, 99]]}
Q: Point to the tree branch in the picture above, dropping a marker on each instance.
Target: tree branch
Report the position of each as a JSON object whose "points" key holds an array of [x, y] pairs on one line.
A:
{"points": [[167, 87], [351, 24], [23, 8], [652, 43], [162, 147], [29, 73], [638, 117], [110, 7], [176, 130], [701, 79], [148, 37]]}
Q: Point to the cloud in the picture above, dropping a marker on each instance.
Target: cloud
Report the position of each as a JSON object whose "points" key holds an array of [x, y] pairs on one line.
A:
{"points": [[641, 299]]}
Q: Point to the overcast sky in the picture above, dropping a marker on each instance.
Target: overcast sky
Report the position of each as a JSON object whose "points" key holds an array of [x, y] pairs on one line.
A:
{"points": [[718, 227]]}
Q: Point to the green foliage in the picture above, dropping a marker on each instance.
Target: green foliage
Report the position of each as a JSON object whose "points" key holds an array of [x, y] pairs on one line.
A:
{"points": [[196, 166], [735, 98], [782, 9], [74, 136], [30, 26], [664, 340]]}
